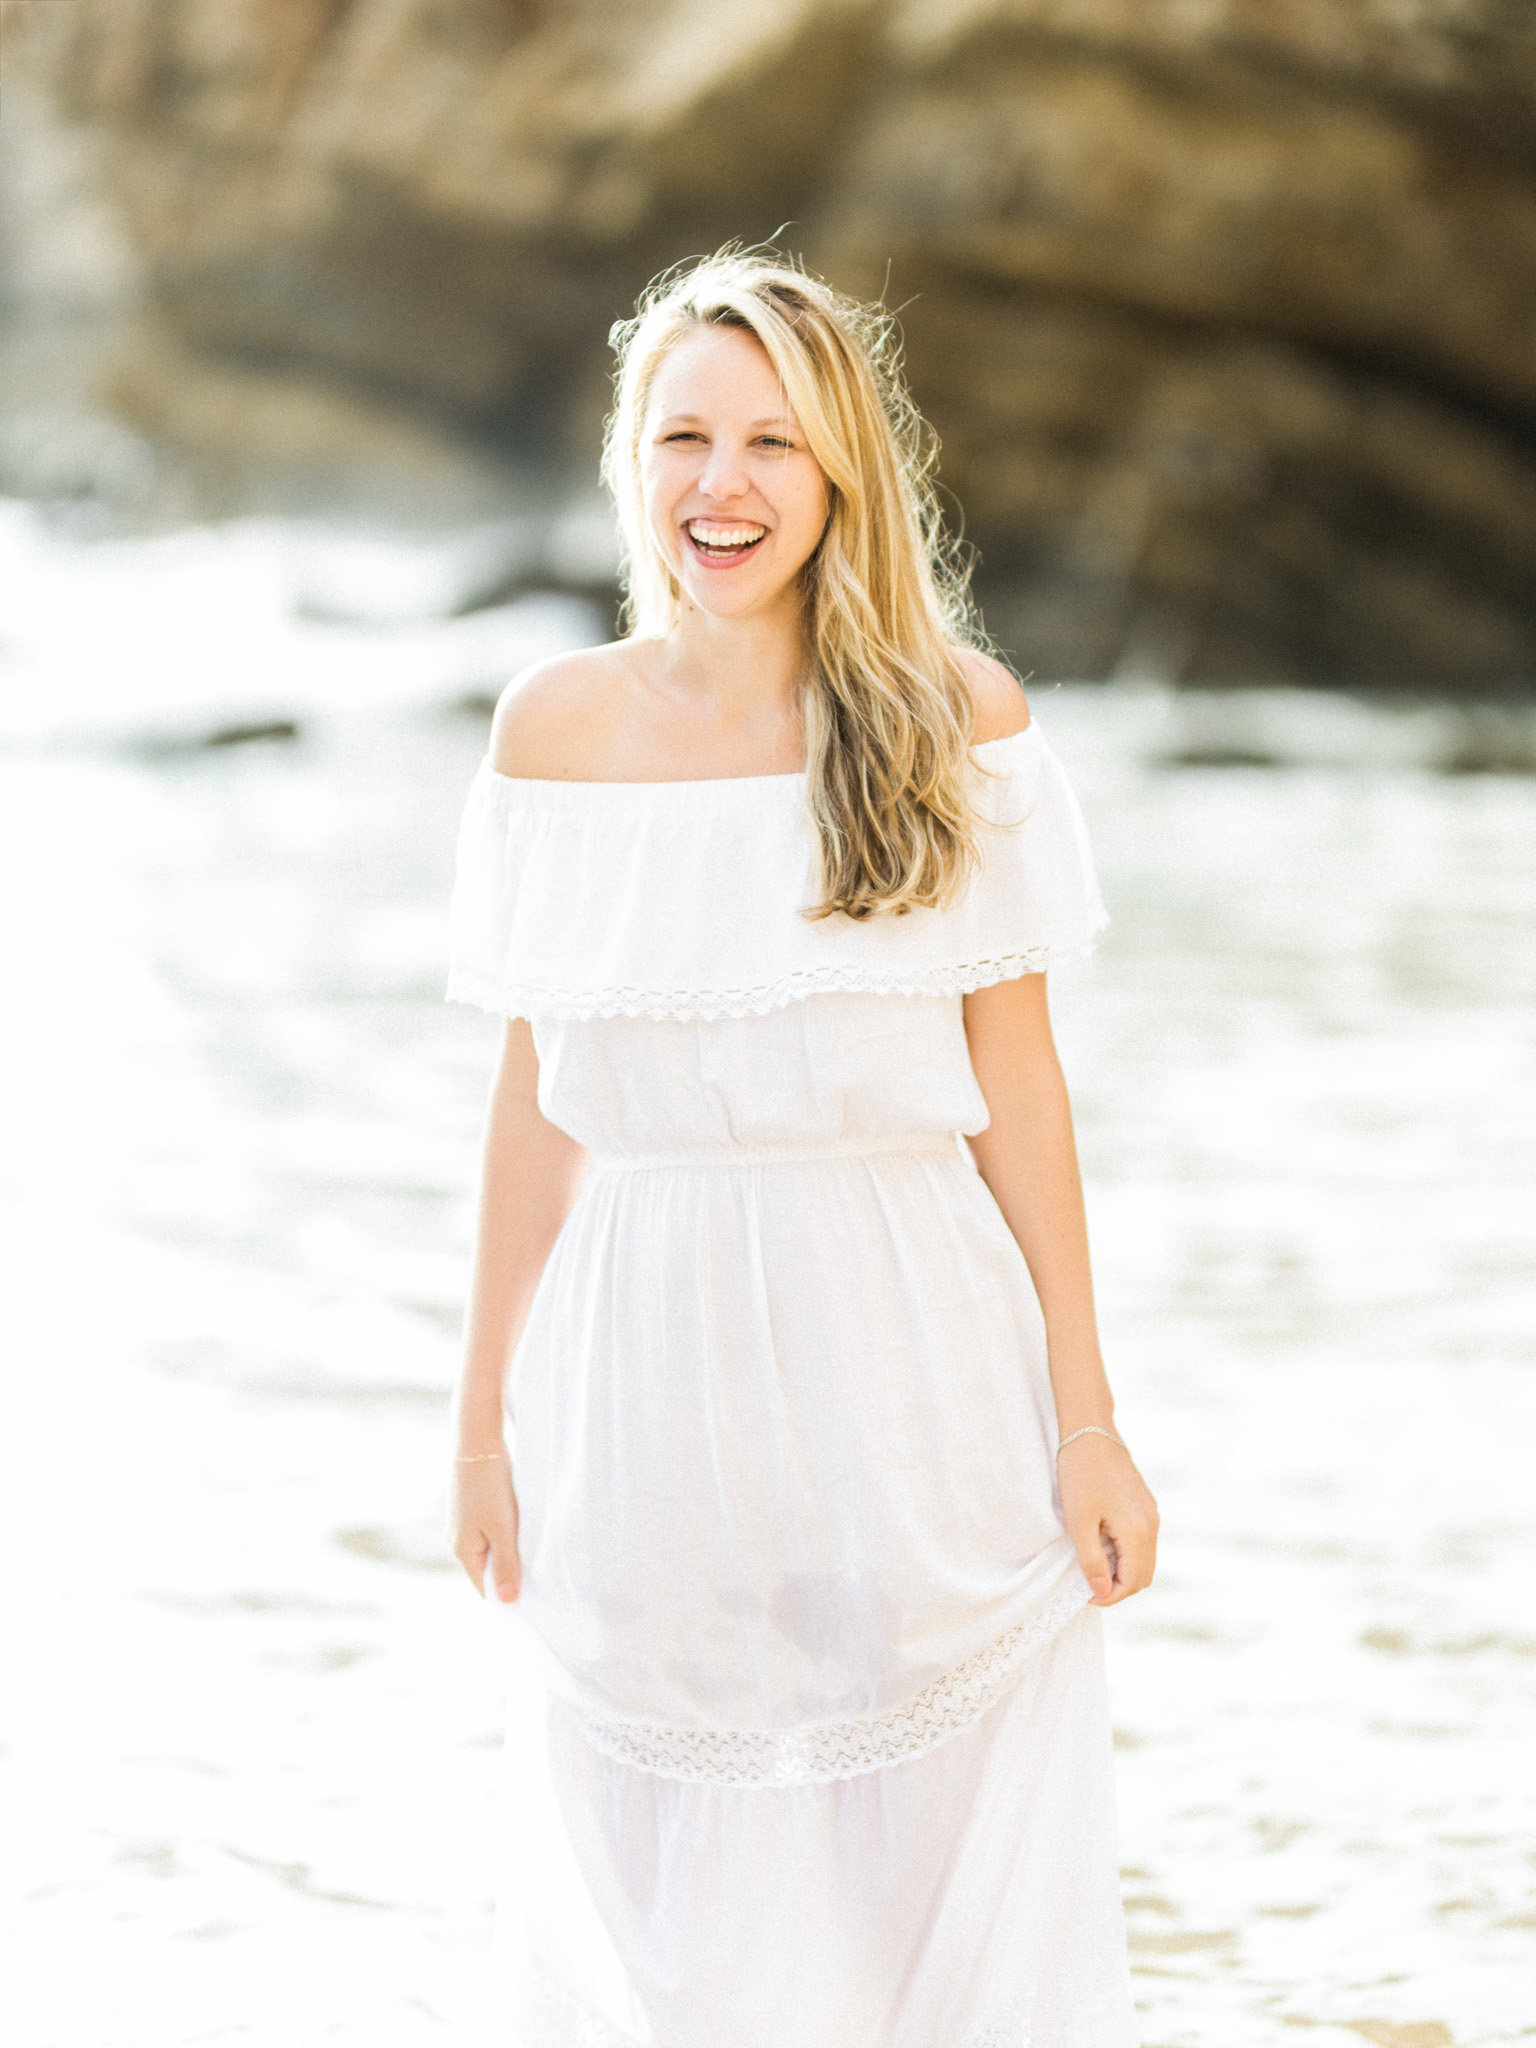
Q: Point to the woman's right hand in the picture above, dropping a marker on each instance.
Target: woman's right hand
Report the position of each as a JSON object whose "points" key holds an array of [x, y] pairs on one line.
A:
{"points": [[483, 1526]]}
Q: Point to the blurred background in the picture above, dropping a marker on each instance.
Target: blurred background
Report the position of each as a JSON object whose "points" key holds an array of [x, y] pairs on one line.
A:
{"points": [[1225, 313]]}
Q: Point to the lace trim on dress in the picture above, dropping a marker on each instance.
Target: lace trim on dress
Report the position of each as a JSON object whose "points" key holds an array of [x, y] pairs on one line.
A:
{"points": [[522, 999], [839, 1749]]}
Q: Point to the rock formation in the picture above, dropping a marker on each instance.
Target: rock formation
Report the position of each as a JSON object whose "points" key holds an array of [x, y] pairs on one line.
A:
{"points": [[1225, 310]]}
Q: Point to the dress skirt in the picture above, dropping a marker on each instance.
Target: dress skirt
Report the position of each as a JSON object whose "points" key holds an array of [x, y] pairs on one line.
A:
{"points": [[966, 1898], [815, 1747]]}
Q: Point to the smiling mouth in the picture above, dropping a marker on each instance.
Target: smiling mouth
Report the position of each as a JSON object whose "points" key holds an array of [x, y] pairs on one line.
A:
{"points": [[718, 542]]}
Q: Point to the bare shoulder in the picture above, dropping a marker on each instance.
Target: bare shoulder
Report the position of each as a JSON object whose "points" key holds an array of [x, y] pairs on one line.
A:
{"points": [[552, 718], [998, 695]]}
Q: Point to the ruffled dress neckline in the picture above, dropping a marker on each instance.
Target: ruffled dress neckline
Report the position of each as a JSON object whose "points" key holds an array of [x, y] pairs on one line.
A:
{"points": [[687, 900]]}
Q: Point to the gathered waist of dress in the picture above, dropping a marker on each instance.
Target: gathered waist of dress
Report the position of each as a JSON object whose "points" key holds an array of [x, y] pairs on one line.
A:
{"points": [[937, 1144]]}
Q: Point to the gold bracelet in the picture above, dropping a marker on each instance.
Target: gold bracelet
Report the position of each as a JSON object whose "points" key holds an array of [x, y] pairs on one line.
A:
{"points": [[482, 1457], [1090, 1429]]}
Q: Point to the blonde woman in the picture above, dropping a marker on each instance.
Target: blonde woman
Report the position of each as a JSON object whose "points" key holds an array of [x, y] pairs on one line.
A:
{"points": [[782, 1273]]}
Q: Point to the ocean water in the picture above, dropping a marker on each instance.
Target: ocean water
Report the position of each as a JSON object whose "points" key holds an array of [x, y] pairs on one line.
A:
{"points": [[251, 1711]]}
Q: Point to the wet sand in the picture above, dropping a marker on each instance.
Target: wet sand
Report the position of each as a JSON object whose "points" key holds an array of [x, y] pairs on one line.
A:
{"points": [[252, 1714]]}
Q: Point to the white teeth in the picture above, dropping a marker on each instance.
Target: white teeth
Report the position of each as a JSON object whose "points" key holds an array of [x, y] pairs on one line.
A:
{"points": [[724, 536]]}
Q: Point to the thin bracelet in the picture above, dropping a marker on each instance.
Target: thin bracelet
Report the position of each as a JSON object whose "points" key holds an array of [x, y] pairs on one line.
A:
{"points": [[1091, 1429], [482, 1457]]}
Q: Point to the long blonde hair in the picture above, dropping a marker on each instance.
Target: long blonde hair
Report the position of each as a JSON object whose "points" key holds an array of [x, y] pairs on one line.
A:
{"points": [[886, 707]]}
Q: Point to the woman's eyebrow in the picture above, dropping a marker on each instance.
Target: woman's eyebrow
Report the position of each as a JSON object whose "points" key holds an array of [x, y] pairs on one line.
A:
{"points": [[693, 419]]}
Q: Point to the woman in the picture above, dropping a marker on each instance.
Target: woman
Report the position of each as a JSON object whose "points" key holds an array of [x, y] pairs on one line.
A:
{"points": [[766, 892]]}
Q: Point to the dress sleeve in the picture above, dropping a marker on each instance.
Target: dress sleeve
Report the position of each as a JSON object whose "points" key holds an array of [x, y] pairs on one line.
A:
{"points": [[1035, 898], [484, 912]]}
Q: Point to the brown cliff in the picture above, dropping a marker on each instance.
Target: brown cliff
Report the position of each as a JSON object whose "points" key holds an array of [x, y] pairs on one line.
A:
{"points": [[1226, 313]]}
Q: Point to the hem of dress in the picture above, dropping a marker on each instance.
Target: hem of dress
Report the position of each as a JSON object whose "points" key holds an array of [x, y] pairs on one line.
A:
{"points": [[707, 1006], [549, 2016], [828, 1751], [553, 2017]]}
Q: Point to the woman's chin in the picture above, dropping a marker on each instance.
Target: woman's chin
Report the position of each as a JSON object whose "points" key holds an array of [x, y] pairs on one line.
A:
{"points": [[731, 597]]}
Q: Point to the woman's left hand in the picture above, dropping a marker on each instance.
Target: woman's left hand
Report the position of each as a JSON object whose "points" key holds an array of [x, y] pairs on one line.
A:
{"points": [[1110, 1515]]}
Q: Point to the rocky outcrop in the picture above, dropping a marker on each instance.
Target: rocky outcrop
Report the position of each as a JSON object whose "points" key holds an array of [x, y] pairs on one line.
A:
{"points": [[1225, 312]]}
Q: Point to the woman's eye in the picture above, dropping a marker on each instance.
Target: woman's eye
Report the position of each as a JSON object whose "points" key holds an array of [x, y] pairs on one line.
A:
{"points": [[776, 441], [682, 434]]}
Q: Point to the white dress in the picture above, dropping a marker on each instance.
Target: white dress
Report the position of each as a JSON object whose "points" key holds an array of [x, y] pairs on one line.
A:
{"points": [[822, 1759]]}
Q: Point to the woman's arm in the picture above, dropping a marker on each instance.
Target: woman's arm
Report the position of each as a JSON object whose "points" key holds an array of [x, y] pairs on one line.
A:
{"points": [[1028, 1159], [529, 1180]]}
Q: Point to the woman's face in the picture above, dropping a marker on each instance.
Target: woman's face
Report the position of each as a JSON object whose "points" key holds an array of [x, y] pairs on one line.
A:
{"points": [[736, 500]]}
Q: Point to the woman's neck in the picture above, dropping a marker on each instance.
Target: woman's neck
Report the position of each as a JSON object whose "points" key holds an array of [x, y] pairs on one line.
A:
{"points": [[742, 671]]}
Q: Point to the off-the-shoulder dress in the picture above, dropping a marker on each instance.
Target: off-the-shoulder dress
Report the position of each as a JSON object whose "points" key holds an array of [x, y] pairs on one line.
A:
{"points": [[823, 1757]]}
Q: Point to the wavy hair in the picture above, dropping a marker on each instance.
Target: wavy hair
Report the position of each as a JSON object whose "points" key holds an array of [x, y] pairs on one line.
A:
{"points": [[886, 708]]}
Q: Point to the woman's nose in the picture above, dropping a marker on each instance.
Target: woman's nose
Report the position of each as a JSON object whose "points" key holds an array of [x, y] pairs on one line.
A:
{"points": [[724, 475]]}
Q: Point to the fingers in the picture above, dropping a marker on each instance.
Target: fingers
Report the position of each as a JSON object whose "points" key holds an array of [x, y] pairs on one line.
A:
{"points": [[484, 1533], [1111, 1518], [1095, 1560], [472, 1550], [505, 1574], [1132, 1545], [1116, 1556], [490, 1558]]}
